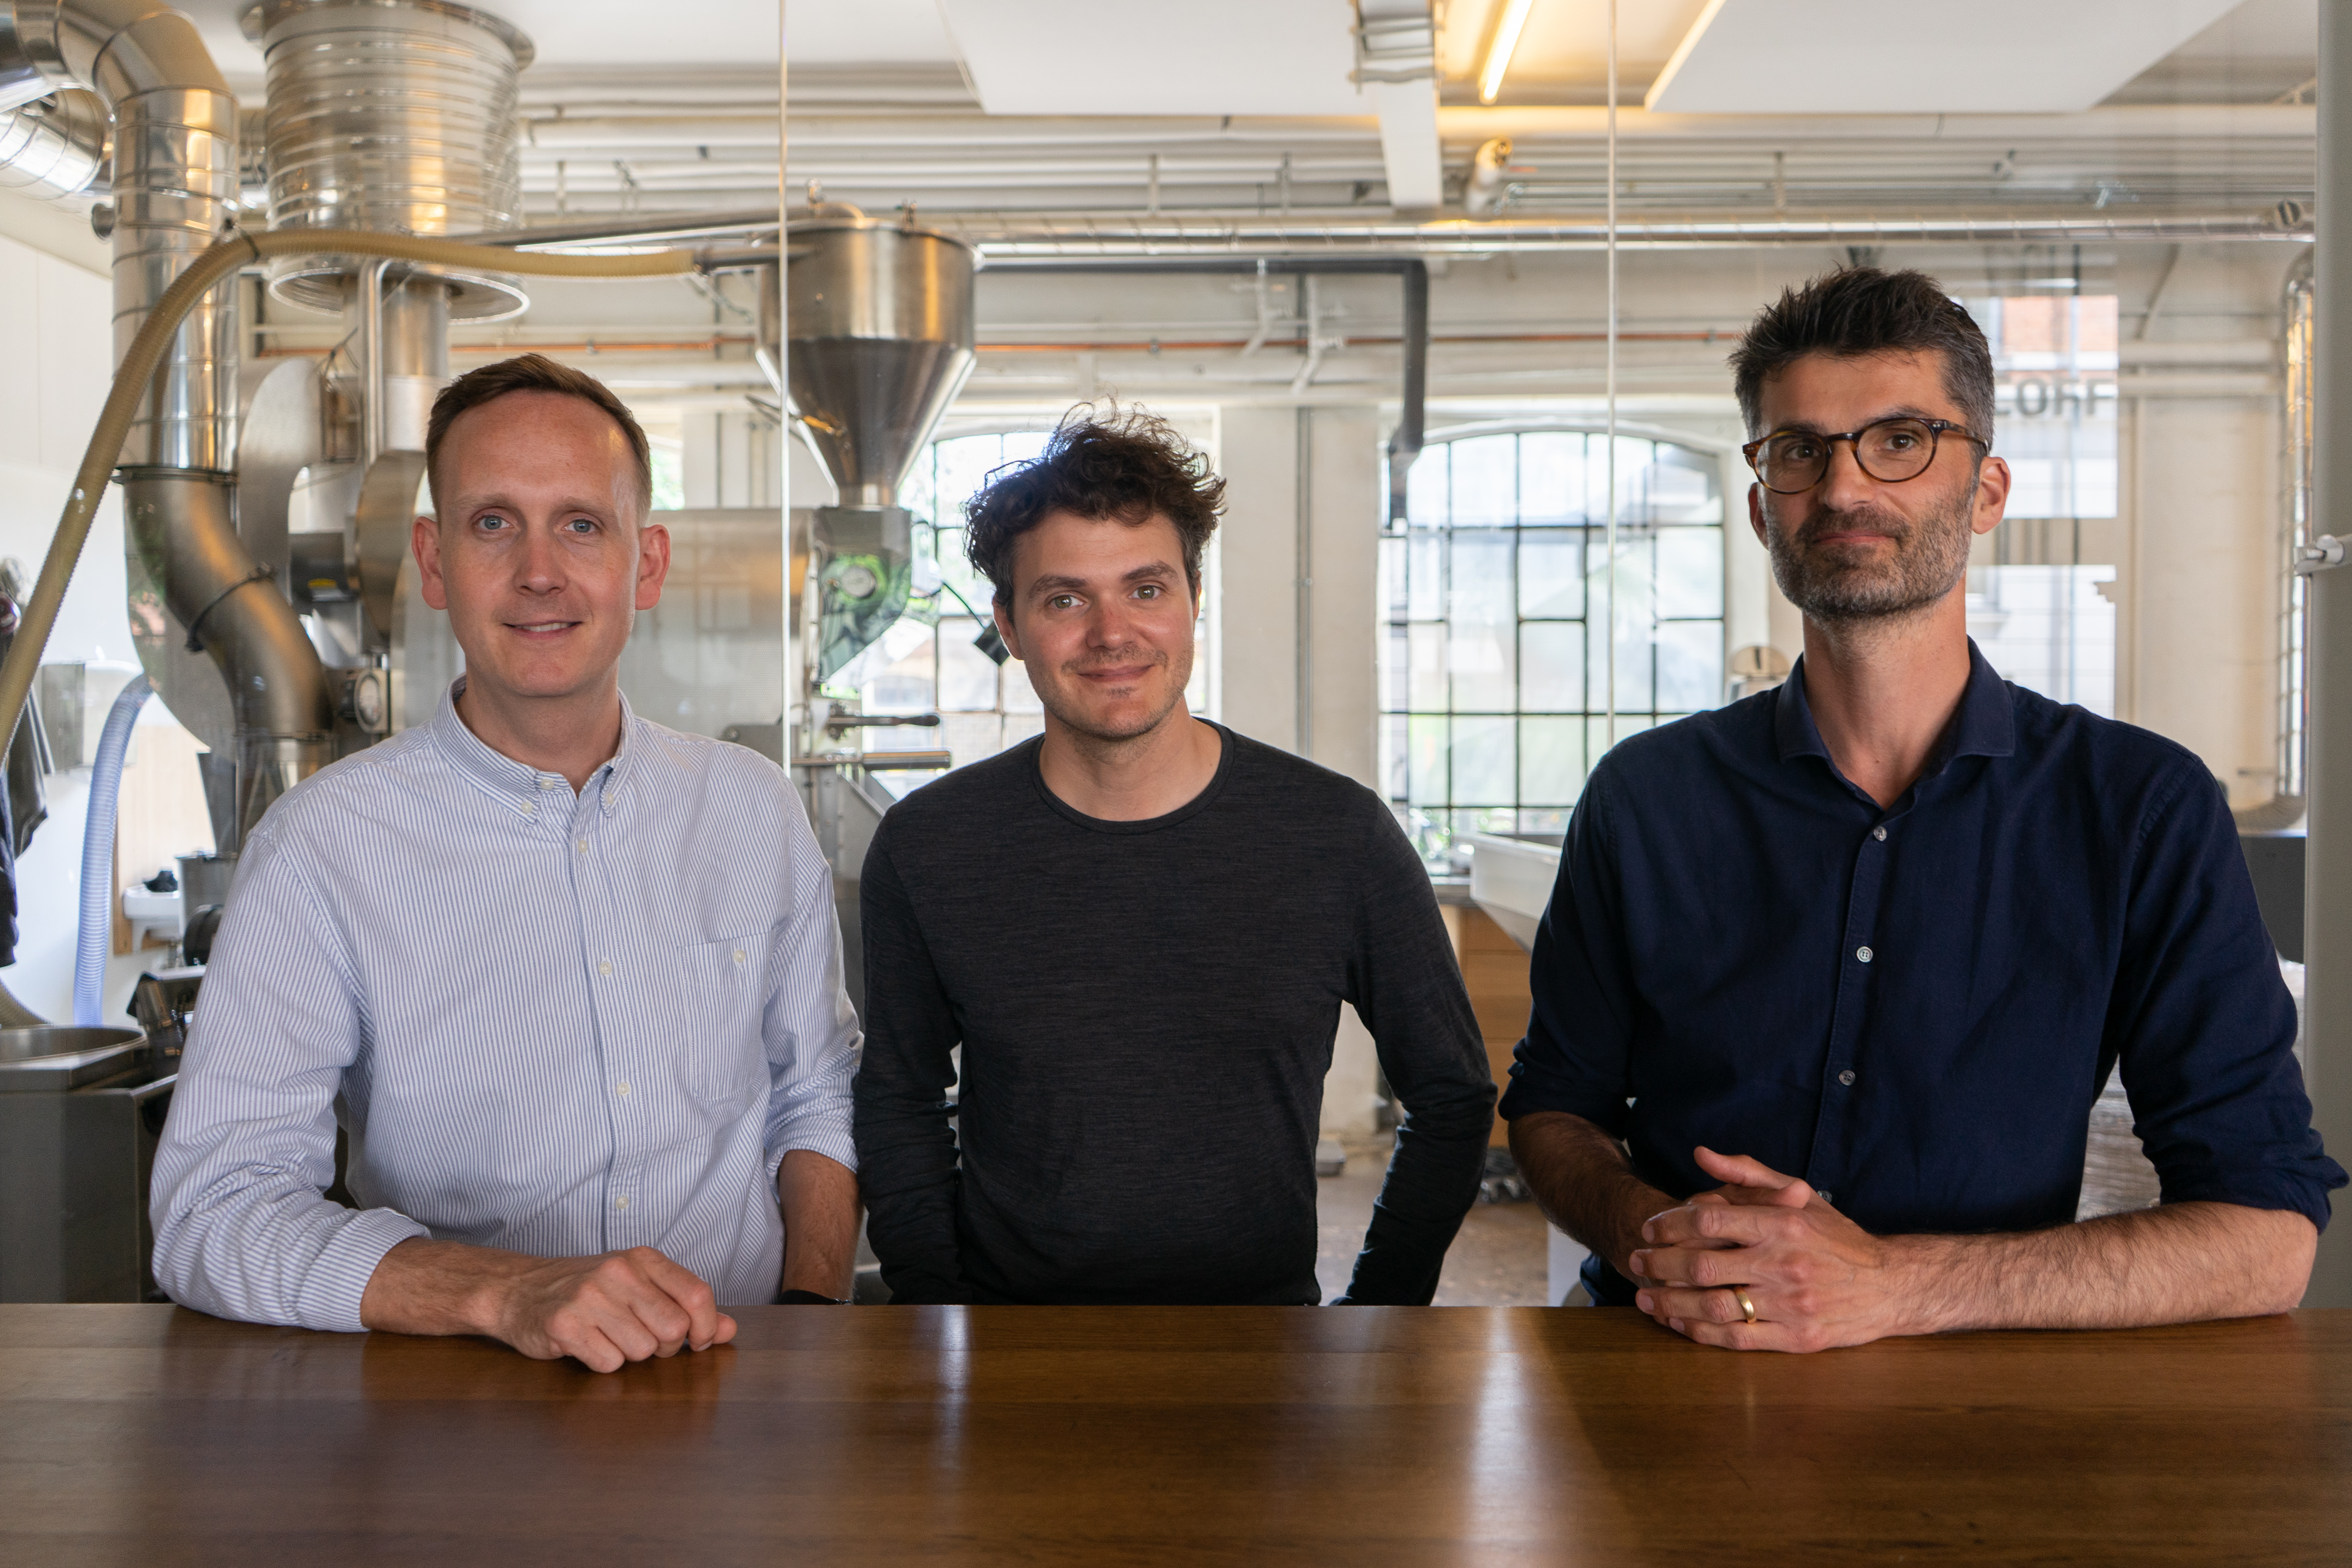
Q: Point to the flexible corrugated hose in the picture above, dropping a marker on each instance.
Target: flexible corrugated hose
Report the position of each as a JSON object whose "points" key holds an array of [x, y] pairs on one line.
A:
{"points": [[98, 892]]}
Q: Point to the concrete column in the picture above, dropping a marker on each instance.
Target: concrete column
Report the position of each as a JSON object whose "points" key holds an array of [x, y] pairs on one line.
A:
{"points": [[1257, 573], [2205, 514], [1345, 503], [2327, 909], [698, 457]]}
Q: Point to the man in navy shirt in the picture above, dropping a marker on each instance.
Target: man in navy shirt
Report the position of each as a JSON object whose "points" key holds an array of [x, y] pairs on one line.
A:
{"points": [[1832, 976]]}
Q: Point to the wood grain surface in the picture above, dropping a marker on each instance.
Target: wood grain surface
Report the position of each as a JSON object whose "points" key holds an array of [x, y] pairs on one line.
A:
{"points": [[1336, 1435]]}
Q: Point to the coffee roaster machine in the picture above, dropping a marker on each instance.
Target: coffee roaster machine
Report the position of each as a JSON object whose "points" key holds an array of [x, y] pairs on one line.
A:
{"points": [[869, 334], [272, 598]]}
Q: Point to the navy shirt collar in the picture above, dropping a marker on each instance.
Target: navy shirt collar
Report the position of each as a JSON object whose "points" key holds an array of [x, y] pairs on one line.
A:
{"points": [[1984, 726]]}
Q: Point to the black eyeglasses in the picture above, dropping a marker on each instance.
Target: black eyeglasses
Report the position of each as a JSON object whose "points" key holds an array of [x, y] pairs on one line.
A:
{"points": [[1791, 462]]}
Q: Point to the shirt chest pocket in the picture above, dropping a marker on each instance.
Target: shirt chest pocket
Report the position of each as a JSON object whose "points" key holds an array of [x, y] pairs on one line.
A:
{"points": [[721, 1049]]}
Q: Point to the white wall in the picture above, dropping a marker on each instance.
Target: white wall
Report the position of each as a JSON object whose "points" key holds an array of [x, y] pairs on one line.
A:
{"points": [[57, 338]]}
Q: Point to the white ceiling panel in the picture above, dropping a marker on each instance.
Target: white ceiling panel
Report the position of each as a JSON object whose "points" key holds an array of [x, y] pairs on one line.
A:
{"points": [[1147, 56], [1866, 57], [698, 32]]}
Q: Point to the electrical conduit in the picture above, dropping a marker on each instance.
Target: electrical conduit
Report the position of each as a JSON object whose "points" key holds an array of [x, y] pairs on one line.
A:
{"points": [[98, 852]]}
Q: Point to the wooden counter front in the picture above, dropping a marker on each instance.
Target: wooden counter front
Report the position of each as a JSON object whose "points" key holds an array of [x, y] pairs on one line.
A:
{"points": [[1339, 1436]]}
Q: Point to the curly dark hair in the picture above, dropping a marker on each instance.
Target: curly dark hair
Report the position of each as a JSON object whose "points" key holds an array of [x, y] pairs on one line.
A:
{"points": [[1860, 311], [1125, 465]]}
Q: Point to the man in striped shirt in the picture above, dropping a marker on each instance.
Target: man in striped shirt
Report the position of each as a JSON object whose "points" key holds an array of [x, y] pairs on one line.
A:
{"points": [[569, 981]]}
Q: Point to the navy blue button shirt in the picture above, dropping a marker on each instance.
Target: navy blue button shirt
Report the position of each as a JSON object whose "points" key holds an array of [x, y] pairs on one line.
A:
{"points": [[1913, 1008]]}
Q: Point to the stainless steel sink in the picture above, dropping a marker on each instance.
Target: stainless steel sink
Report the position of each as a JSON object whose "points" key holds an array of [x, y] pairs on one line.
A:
{"points": [[46, 1060]]}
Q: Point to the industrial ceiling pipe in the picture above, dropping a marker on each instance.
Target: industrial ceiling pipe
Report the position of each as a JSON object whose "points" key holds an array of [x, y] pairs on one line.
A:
{"points": [[1405, 442], [1047, 236]]}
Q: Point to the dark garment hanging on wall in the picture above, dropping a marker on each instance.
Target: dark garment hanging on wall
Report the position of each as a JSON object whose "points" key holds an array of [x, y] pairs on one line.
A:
{"points": [[23, 805]]}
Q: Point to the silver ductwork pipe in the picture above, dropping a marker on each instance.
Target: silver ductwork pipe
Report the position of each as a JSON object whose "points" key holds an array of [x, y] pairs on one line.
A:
{"points": [[174, 188], [53, 149], [180, 528], [175, 183]]}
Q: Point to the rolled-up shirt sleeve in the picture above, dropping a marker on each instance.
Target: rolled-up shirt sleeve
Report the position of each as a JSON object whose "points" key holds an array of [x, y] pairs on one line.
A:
{"points": [[1575, 1056], [2203, 1026], [242, 1227], [810, 1030]]}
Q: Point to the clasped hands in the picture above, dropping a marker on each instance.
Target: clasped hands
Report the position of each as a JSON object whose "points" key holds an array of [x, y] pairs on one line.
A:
{"points": [[1816, 1279]]}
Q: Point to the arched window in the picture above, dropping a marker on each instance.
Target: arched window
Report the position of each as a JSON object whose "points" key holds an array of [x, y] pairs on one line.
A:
{"points": [[1495, 657]]}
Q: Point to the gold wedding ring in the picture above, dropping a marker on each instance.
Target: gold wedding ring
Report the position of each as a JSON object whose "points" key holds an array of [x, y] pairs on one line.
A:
{"points": [[1747, 1307]]}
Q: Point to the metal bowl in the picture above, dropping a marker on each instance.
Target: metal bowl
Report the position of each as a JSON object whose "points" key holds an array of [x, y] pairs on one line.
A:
{"points": [[32, 1045]]}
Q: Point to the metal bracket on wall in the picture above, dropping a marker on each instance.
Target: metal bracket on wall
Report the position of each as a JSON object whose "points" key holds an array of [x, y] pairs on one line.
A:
{"points": [[2319, 555]]}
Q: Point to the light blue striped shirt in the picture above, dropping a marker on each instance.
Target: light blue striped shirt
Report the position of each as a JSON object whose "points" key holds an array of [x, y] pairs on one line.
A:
{"points": [[559, 1024]]}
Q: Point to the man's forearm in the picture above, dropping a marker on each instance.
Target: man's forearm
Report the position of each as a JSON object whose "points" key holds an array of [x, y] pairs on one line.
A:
{"points": [[1585, 1183], [2179, 1263], [606, 1311], [819, 1197], [427, 1287], [1433, 1180]]}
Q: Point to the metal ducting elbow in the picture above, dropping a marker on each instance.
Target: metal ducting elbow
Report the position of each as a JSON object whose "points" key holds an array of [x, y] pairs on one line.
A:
{"points": [[53, 149]]}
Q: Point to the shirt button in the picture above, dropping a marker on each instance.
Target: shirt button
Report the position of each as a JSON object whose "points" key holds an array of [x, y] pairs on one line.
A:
{"points": [[622, 1089], [1863, 954], [547, 781], [583, 846], [1827, 1197], [529, 806], [622, 1202], [1846, 1078], [603, 967], [1879, 833], [738, 955]]}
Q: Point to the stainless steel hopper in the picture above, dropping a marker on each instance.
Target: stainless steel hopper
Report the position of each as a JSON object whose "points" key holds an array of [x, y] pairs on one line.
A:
{"points": [[879, 340]]}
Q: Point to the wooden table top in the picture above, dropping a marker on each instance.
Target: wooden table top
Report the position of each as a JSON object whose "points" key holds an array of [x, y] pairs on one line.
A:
{"points": [[1237, 1435]]}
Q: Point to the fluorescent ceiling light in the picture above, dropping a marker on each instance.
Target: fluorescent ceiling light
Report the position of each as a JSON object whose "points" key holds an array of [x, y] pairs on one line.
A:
{"points": [[1498, 53]]}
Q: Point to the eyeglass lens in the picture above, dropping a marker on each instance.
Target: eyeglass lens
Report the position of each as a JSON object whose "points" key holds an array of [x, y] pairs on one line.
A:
{"points": [[1892, 451]]}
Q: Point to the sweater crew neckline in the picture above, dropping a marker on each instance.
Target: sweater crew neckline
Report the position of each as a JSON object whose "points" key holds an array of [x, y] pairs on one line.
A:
{"points": [[1192, 807]]}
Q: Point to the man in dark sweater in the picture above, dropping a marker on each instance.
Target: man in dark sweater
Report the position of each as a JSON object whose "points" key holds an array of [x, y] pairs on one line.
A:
{"points": [[1139, 928]]}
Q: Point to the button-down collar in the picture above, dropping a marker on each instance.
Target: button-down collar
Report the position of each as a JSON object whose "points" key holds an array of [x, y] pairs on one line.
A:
{"points": [[526, 791], [1985, 724]]}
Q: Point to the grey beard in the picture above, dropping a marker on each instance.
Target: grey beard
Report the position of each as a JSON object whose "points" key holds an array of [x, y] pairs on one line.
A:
{"points": [[1931, 556]]}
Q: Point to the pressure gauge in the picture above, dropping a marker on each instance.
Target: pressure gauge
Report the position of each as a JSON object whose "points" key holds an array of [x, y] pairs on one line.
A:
{"points": [[364, 702]]}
